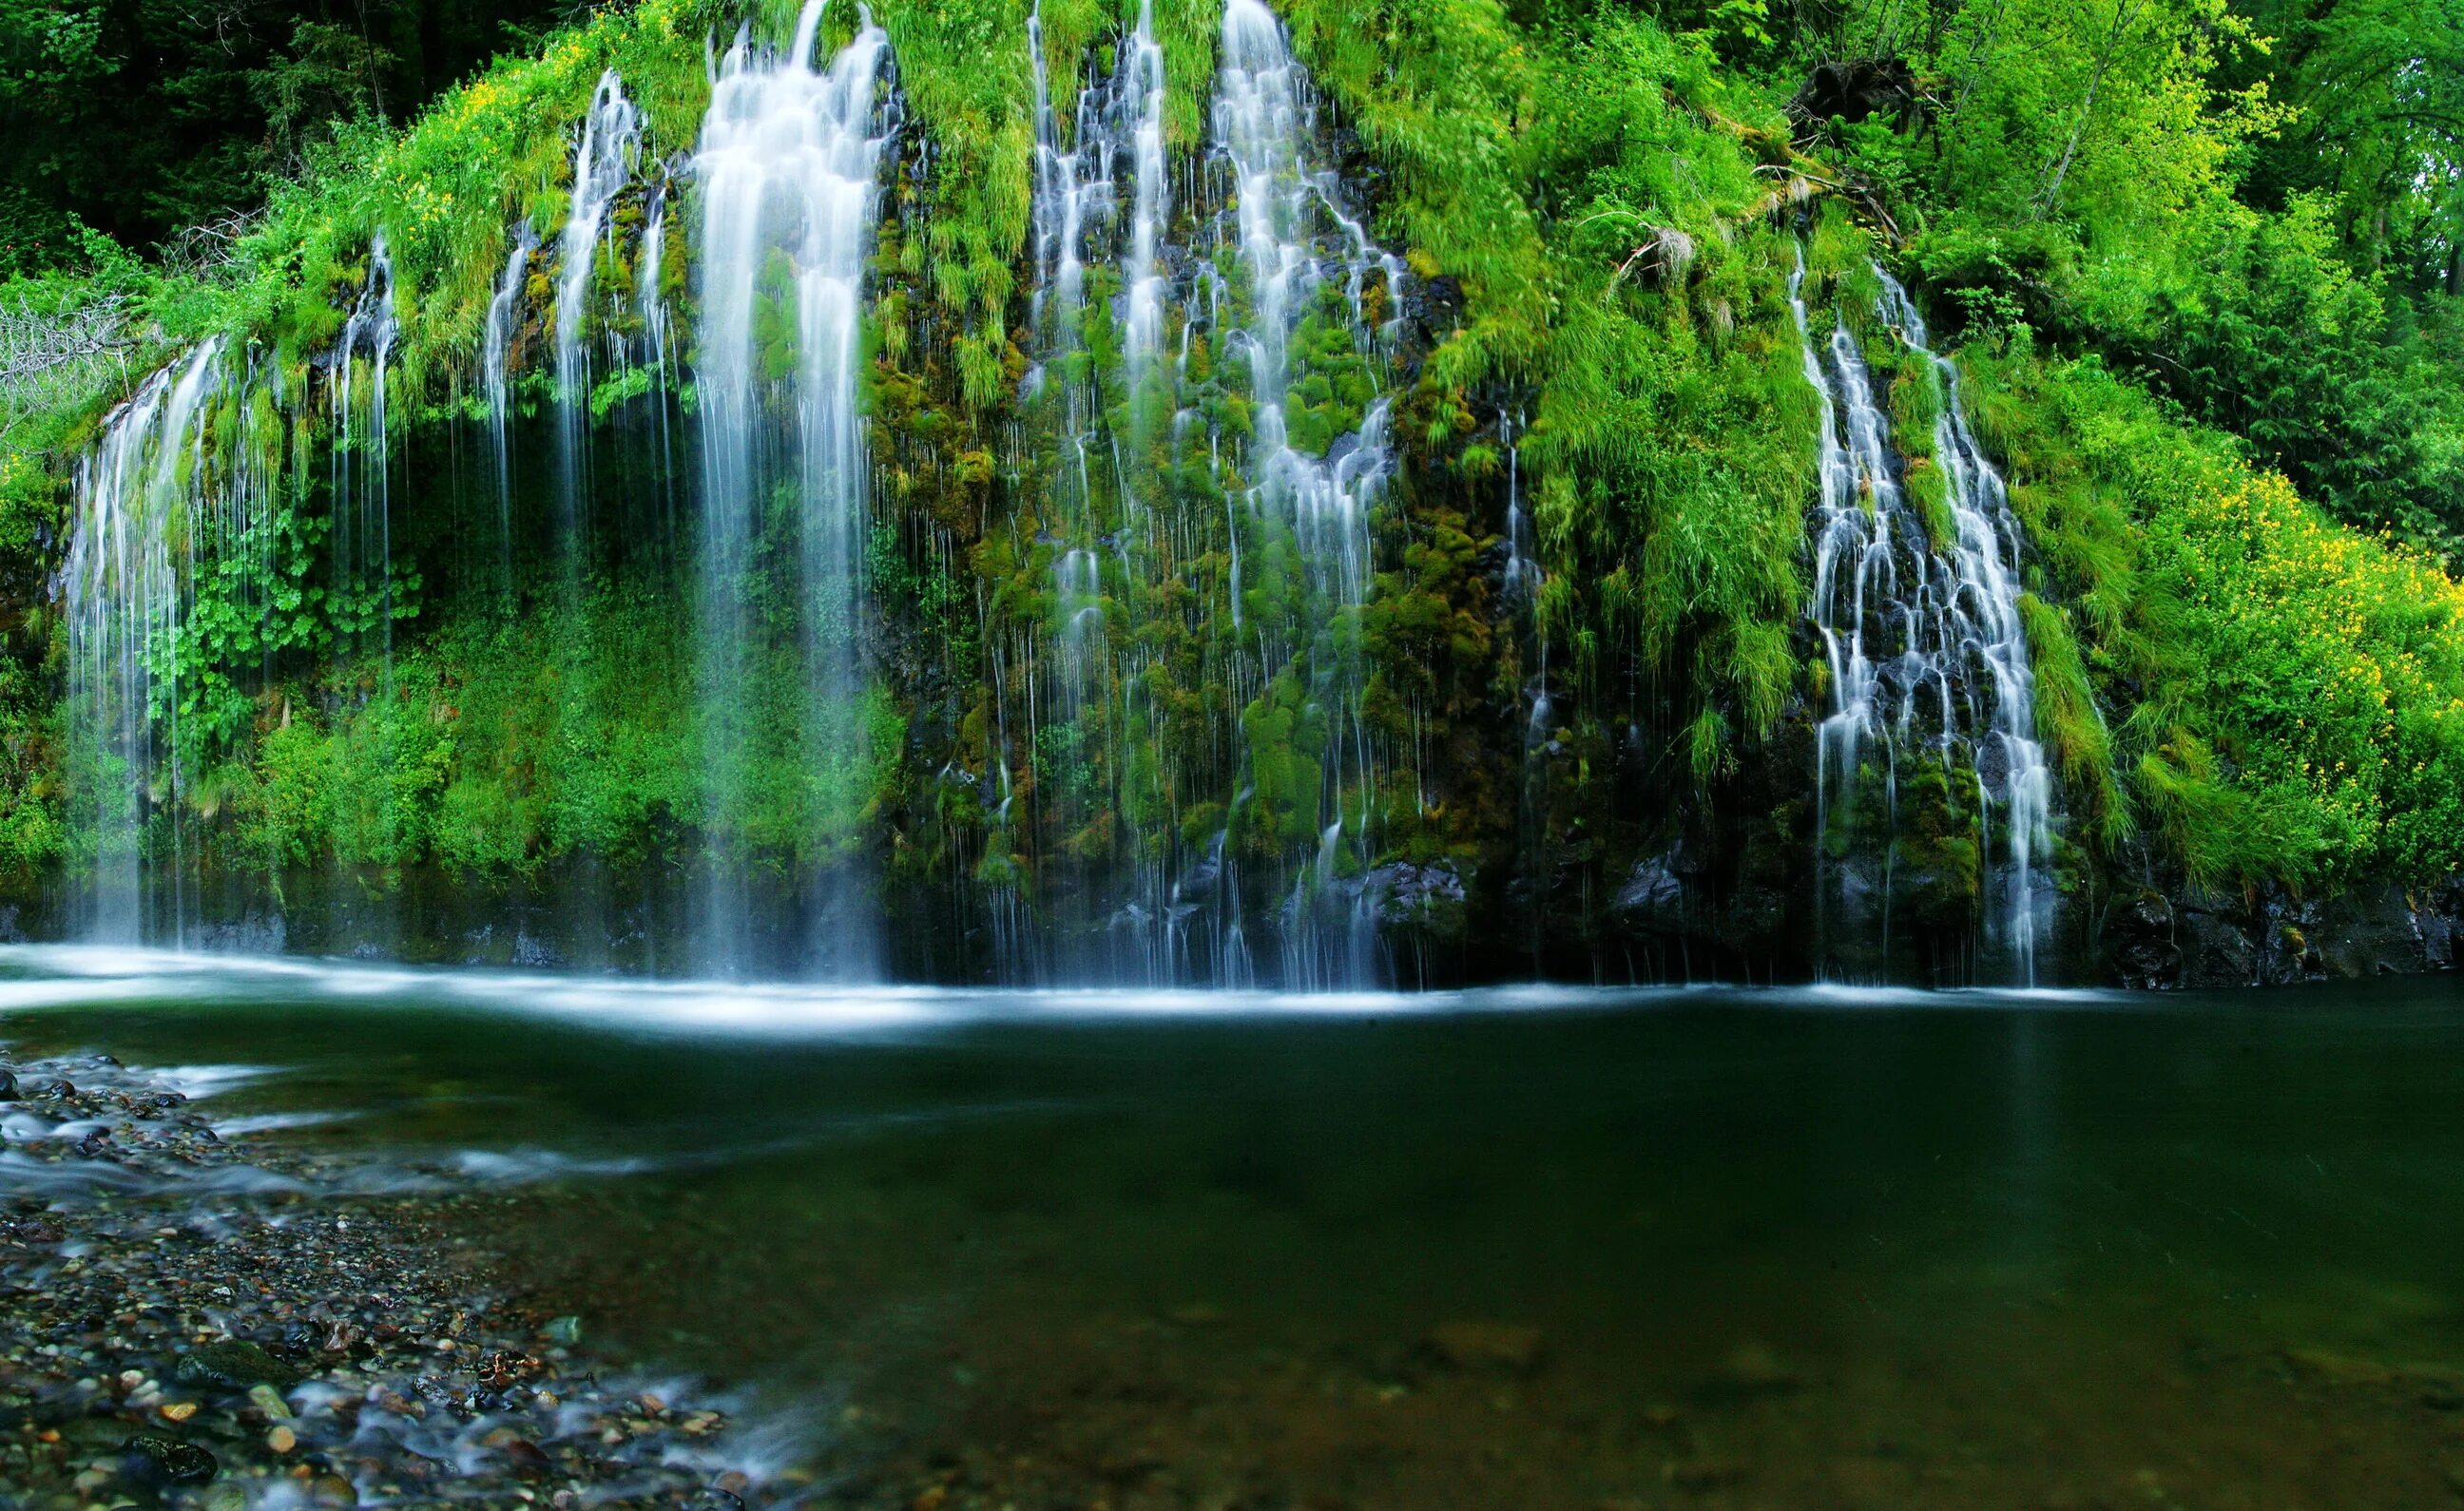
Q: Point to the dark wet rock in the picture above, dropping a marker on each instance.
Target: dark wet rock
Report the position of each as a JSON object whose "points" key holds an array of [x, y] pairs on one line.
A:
{"points": [[1428, 897], [232, 1363], [152, 1460], [2276, 939], [2138, 942], [8, 1085], [1654, 892]]}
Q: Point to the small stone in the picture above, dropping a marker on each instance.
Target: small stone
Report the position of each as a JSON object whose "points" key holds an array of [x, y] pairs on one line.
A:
{"points": [[166, 1461], [330, 1492], [282, 1439], [179, 1410], [234, 1366], [565, 1330], [1487, 1346], [398, 1404]]}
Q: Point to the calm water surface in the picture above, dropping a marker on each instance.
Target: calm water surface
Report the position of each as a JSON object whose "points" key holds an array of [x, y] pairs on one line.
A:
{"points": [[1532, 1248]]}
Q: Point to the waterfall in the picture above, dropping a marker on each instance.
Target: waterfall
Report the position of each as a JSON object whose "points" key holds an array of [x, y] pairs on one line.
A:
{"points": [[1922, 638], [1519, 581], [602, 165], [788, 170], [1141, 88], [125, 589], [1982, 629], [495, 354], [1316, 460], [649, 298], [1072, 189], [363, 457]]}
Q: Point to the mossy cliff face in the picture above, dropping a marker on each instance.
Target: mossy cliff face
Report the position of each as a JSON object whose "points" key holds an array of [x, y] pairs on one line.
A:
{"points": [[1546, 701]]}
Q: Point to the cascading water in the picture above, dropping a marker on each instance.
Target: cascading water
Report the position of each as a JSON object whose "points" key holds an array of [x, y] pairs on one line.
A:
{"points": [[788, 172], [1984, 628], [1924, 646], [649, 292], [138, 498], [1312, 468], [363, 458], [496, 359], [602, 165], [1140, 88], [1072, 188]]}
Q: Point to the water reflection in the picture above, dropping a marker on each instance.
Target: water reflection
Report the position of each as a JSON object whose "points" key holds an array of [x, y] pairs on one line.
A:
{"points": [[1532, 1248]]}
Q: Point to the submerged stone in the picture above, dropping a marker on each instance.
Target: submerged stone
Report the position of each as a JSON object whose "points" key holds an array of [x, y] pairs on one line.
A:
{"points": [[234, 1365], [155, 1459]]}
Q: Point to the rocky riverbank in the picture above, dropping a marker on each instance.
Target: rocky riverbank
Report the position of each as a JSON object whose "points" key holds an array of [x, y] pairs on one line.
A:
{"points": [[191, 1316]]}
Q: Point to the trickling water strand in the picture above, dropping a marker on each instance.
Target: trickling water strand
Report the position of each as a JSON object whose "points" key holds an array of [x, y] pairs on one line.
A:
{"points": [[1923, 645], [1312, 485], [1073, 190], [788, 169], [602, 165], [495, 357], [649, 295], [1521, 583], [362, 456], [1142, 87]]}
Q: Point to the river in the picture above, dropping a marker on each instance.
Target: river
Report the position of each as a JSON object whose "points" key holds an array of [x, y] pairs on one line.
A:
{"points": [[1528, 1247]]}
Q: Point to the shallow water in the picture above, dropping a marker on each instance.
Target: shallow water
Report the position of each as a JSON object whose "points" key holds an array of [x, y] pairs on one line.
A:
{"points": [[1527, 1248]]}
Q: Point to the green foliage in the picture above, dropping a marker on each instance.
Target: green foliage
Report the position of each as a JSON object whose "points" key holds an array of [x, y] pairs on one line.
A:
{"points": [[140, 120], [2293, 689], [2160, 299]]}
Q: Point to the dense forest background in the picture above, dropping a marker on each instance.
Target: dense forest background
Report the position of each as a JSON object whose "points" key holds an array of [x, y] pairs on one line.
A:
{"points": [[2203, 265]]}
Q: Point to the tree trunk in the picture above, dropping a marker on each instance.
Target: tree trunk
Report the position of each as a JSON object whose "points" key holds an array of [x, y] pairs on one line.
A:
{"points": [[2124, 12]]}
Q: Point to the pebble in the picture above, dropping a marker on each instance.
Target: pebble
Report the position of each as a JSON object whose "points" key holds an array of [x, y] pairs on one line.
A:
{"points": [[283, 1315]]}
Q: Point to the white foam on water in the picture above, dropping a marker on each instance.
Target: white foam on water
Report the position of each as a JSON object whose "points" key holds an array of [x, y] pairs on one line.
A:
{"points": [[77, 975]]}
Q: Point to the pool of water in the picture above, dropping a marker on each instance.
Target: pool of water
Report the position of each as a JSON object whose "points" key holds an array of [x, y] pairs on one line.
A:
{"points": [[1528, 1248]]}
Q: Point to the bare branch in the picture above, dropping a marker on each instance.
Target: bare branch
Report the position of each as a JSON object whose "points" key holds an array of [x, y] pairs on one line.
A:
{"points": [[48, 357]]}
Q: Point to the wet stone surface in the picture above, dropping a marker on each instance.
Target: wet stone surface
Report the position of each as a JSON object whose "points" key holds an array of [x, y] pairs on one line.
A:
{"points": [[187, 1321]]}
